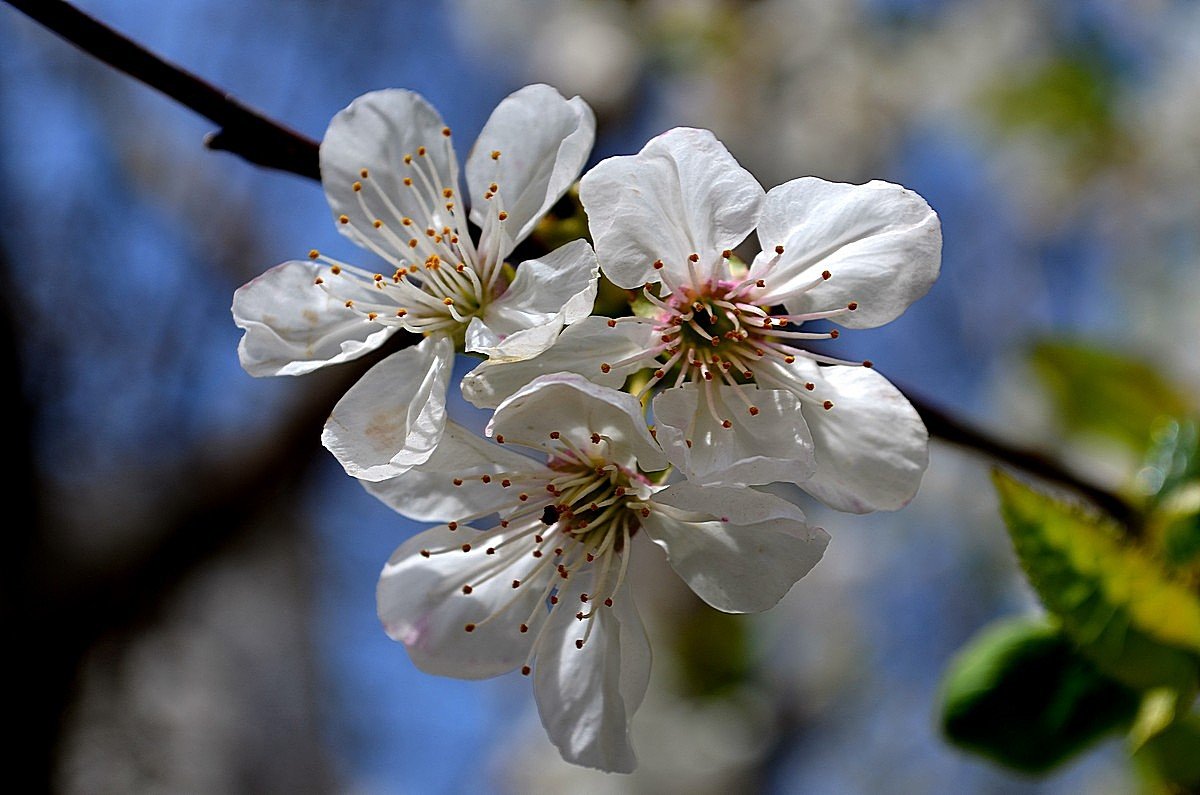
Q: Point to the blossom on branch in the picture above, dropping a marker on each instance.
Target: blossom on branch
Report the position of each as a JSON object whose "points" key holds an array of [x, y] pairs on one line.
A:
{"points": [[391, 177], [542, 586], [748, 401]]}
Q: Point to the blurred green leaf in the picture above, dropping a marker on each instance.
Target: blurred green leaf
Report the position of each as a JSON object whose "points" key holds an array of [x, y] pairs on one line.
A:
{"points": [[713, 653], [1099, 392], [1021, 694], [1129, 616], [1172, 756], [1071, 98]]}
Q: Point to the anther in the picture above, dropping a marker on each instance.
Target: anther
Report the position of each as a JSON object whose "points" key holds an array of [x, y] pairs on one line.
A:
{"points": [[350, 304], [825, 275], [583, 598], [523, 497], [457, 481], [469, 627], [401, 312], [789, 359], [421, 151], [313, 254], [834, 334], [467, 589], [827, 405], [595, 438], [466, 547], [364, 173], [495, 154], [372, 315], [446, 131], [424, 553], [505, 483], [658, 264], [408, 160], [810, 386], [612, 323], [452, 526], [490, 551], [605, 367], [555, 434], [868, 363], [608, 602], [760, 283], [726, 424], [448, 301], [447, 193], [493, 188], [694, 257], [377, 223], [525, 669], [500, 440], [553, 599], [343, 219], [852, 305], [486, 478], [726, 254], [754, 411], [579, 643], [516, 583], [408, 181], [357, 186], [503, 216], [318, 280], [779, 249]]}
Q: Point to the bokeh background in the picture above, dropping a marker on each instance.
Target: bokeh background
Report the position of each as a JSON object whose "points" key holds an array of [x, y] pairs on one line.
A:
{"points": [[189, 579]]}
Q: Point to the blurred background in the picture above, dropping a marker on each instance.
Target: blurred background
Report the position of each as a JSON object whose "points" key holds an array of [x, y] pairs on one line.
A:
{"points": [[189, 581]]}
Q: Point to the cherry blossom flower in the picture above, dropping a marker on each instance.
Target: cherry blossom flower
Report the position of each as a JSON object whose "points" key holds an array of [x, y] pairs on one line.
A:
{"points": [[391, 177], [748, 402], [541, 583]]}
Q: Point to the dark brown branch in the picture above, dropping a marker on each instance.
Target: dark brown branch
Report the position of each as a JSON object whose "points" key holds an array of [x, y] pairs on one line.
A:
{"points": [[260, 140], [243, 131], [948, 428]]}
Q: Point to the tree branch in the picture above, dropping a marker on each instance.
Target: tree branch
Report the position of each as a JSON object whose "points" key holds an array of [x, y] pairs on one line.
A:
{"points": [[258, 139], [244, 131]]}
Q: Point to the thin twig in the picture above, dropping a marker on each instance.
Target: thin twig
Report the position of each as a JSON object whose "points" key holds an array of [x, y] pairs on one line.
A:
{"points": [[243, 131]]}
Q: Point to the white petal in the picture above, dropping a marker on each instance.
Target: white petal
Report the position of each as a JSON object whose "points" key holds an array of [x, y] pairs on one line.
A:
{"points": [[294, 327], [543, 140], [586, 697], [881, 244], [421, 604], [740, 550], [393, 418], [682, 194], [773, 445], [872, 447], [375, 132], [576, 408], [548, 293], [580, 348], [427, 492]]}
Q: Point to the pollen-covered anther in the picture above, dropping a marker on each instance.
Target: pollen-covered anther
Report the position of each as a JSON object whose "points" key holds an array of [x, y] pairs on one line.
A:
{"points": [[834, 334], [505, 483], [789, 359], [579, 643], [448, 301], [466, 547], [314, 254], [469, 628], [694, 257], [446, 131], [612, 323], [826, 275], [726, 424], [364, 173], [605, 367], [356, 187], [853, 305], [503, 216], [868, 363], [523, 497], [421, 151], [318, 280], [500, 440], [760, 283], [495, 154], [726, 254], [595, 438], [608, 602], [467, 589], [525, 669], [457, 481], [779, 249], [810, 386], [583, 598], [486, 478], [372, 315], [555, 434], [377, 224], [493, 188], [658, 265], [516, 583], [350, 304], [524, 628], [645, 512], [424, 553], [452, 526], [827, 405], [408, 182], [401, 312], [753, 411], [343, 219]]}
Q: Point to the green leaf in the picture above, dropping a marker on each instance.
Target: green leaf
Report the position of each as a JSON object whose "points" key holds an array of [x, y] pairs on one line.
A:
{"points": [[1130, 617], [1095, 391], [1020, 693], [1173, 755]]}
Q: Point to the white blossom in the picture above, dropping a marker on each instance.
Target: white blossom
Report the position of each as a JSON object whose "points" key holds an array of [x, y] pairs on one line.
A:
{"points": [[391, 178], [748, 402], [541, 584]]}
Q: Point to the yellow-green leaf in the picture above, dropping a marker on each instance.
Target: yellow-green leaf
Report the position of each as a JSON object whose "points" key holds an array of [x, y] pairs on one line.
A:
{"points": [[1119, 606]]}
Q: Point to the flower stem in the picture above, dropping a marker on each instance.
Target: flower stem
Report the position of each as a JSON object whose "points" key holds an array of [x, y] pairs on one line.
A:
{"points": [[260, 140]]}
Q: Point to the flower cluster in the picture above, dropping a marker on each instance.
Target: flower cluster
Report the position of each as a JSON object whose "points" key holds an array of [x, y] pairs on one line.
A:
{"points": [[528, 567]]}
